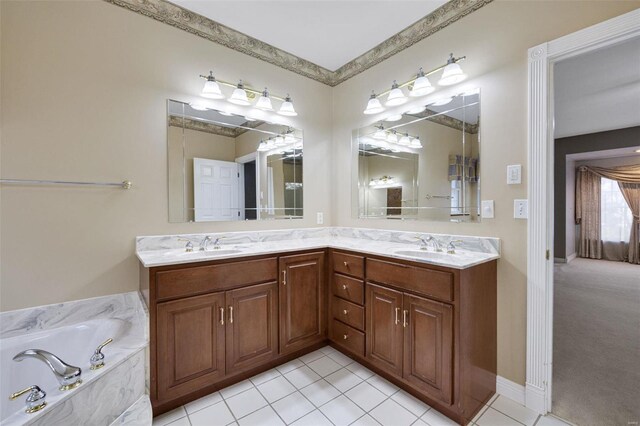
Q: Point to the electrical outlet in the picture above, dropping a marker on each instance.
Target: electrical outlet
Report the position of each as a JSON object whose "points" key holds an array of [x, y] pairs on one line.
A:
{"points": [[487, 211], [520, 209], [320, 218], [514, 174]]}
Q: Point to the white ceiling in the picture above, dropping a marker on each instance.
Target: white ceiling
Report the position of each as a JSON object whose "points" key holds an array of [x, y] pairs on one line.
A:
{"points": [[598, 91], [329, 33]]}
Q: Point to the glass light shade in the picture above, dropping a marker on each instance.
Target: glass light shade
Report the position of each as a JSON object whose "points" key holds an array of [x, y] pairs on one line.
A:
{"points": [[263, 146], [279, 141], [415, 143], [392, 137], [417, 110], [287, 108], [404, 140], [395, 97], [442, 101], [239, 96], [452, 74], [289, 138], [271, 143], [394, 117], [380, 134], [373, 106], [264, 101], [199, 106], [211, 90], [421, 87]]}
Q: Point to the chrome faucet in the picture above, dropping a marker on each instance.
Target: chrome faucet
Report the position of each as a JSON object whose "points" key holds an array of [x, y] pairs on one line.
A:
{"points": [[424, 242], [35, 400], [436, 243], [216, 243], [97, 359], [205, 243], [451, 248], [68, 375]]}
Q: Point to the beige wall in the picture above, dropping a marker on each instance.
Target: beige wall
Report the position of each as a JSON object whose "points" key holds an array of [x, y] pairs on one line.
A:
{"points": [[84, 97], [495, 40], [84, 89]]}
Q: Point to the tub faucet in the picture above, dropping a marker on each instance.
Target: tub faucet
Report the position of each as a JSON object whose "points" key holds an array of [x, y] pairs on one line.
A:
{"points": [[68, 376]]}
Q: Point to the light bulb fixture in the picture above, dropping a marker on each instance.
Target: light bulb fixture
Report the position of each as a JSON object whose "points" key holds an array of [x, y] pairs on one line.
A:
{"points": [[287, 107], [421, 86], [373, 106], [417, 110], [380, 134], [239, 95], [211, 88], [263, 146], [395, 97], [289, 137], [394, 117], [405, 140], [441, 101], [271, 143], [392, 137], [199, 106], [264, 101], [415, 143], [279, 141], [452, 73]]}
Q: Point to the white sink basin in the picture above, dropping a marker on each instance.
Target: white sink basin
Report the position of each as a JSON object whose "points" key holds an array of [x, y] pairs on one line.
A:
{"points": [[423, 254]]}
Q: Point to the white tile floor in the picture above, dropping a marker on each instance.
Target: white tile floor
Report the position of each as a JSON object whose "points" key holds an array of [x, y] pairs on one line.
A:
{"points": [[327, 388]]}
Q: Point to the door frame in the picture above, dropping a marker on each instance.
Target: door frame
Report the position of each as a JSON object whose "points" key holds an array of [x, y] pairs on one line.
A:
{"points": [[253, 156], [540, 139]]}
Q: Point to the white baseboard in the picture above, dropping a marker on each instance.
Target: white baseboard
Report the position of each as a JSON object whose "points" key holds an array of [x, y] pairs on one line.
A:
{"points": [[511, 390], [535, 399], [571, 257]]}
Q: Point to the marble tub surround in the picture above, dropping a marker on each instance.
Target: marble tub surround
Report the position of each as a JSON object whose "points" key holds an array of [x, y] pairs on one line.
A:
{"points": [[170, 249], [72, 330]]}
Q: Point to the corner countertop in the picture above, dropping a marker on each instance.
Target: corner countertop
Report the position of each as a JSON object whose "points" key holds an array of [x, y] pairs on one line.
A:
{"points": [[166, 250]]}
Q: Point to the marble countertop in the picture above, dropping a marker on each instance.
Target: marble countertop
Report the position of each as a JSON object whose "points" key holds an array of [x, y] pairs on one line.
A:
{"points": [[400, 250]]}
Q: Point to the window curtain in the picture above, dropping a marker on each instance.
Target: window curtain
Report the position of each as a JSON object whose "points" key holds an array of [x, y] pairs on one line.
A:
{"points": [[588, 213], [628, 178]]}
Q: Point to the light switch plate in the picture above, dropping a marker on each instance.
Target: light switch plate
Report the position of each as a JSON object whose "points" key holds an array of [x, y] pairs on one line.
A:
{"points": [[521, 209], [320, 218], [487, 209], [514, 174]]}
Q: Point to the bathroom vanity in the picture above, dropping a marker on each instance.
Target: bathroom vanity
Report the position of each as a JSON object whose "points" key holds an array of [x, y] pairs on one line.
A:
{"points": [[426, 326]]}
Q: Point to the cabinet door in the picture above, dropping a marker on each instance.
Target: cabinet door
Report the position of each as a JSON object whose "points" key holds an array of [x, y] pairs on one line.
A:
{"points": [[252, 321], [302, 301], [384, 328], [190, 344], [428, 346]]}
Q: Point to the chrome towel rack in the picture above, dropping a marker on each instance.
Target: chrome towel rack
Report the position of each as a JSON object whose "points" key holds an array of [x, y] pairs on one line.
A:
{"points": [[126, 184]]}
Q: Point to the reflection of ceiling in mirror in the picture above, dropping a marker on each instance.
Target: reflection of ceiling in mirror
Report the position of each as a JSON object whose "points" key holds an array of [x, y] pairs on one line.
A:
{"points": [[214, 128], [469, 114]]}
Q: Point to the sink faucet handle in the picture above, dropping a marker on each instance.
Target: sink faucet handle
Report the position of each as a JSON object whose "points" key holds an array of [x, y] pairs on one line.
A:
{"points": [[97, 359], [423, 241], [187, 247], [451, 248], [216, 242], [35, 400]]}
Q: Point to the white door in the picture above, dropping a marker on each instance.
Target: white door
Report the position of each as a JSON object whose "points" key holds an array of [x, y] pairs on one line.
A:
{"points": [[215, 190]]}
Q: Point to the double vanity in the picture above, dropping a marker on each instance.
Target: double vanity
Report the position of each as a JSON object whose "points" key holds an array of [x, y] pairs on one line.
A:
{"points": [[422, 318]]}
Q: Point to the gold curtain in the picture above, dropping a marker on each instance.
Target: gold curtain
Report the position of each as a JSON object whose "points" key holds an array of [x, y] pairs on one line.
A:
{"points": [[588, 213], [624, 174], [631, 194]]}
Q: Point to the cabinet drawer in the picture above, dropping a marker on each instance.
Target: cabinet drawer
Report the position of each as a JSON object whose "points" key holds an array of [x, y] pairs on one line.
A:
{"points": [[437, 284], [347, 337], [348, 288], [348, 312], [348, 264], [194, 280]]}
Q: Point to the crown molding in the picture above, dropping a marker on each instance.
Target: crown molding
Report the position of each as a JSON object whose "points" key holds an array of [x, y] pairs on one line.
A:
{"points": [[445, 120], [191, 22], [203, 126]]}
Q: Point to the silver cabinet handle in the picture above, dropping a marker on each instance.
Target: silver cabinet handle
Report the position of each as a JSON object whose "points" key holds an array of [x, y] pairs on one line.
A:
{"points": [[397, 320], [284, 277], [405, 321], [230, 314], [221, 316]]}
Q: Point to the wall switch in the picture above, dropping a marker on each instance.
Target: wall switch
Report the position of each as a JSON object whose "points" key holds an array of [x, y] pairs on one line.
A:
{"points": [[487, 209], [520, 209], [514, 174], [319, 218]]}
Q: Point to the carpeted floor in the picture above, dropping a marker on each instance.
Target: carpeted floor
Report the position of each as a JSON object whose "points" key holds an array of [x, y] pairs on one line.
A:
{"points": [[596, 342]]}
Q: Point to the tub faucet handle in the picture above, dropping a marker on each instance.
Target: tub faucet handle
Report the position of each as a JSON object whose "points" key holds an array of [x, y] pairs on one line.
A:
{"points": [[97, 359], [35, 400]]}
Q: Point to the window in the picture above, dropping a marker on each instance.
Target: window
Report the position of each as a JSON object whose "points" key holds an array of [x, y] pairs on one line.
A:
{"points": [[616, 216]]}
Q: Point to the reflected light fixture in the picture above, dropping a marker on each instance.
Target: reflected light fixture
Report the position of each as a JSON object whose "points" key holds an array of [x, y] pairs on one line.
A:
{"points": [[373, 106], [239, 95], [417, 110], [452, 73], [380, 134], [225, 113], [405, 140], [394, 117], [421, 86], [279, 141], [211, 88], [263, 146], [441, 101], [264, 101], [392, 137], [415, 143], [287, 107], [395, 97], [289, 137], [199, 106]]}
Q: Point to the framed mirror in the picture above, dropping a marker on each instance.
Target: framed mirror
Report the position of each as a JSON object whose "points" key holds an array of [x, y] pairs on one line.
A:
{"points": [[421, 165], [224, 167]]}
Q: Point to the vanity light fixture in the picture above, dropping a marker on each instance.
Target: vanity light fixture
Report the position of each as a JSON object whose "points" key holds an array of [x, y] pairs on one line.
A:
{"points": [[373, 106], [421, 86], [239, 96], [395, 97], [394, 117], [417, 110], [263, 146], [415, 143], [279, 141], [287, 107], [199, 106], [405, 140], [380, 134], [289, 137], [452, 73], [392, 137], [264, 101], [441, 101], [211, 88]]}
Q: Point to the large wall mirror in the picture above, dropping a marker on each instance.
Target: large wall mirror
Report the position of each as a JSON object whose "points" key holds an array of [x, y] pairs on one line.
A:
{"points": [[423, 164], [225, 167]]}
